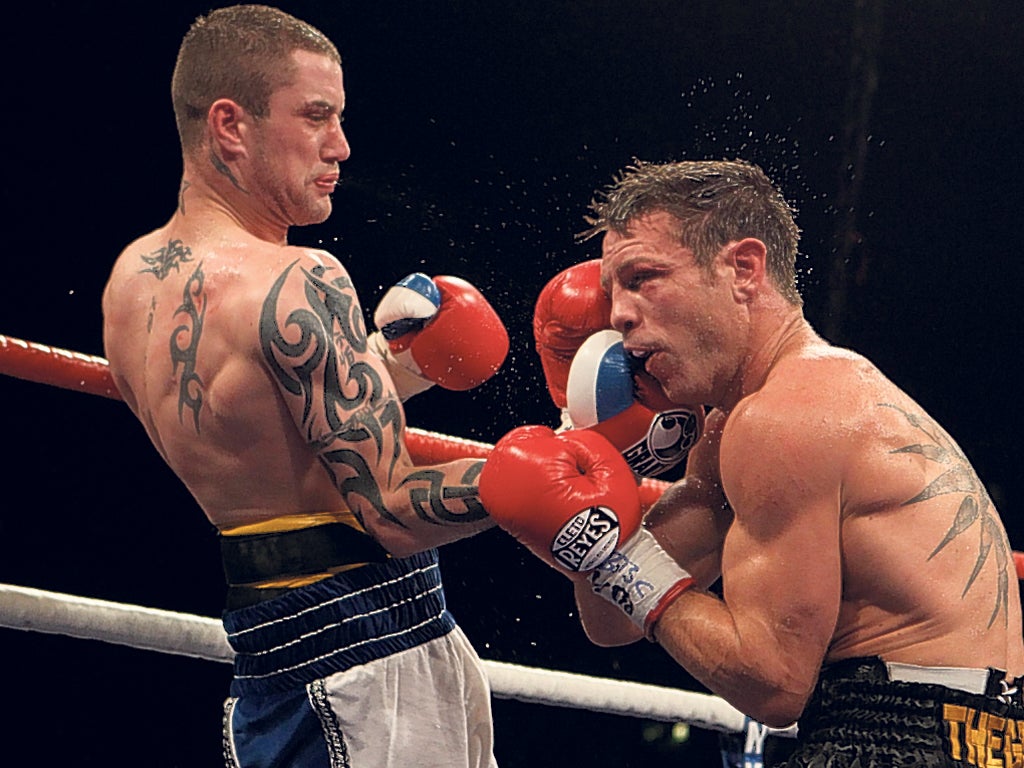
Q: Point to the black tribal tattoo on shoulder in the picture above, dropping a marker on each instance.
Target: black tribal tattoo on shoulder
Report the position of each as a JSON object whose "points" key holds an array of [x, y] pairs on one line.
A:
{"points": [[345, 405], [976, 510], [163, 260], [184, 346]]}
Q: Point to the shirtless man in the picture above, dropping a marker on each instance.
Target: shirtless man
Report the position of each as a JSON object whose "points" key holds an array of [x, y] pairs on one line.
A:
{"points": [[248, 363], [867, 584]]}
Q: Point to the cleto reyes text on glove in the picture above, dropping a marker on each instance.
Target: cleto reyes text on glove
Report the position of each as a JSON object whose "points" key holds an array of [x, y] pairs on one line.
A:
{"points": [[570, 498]]}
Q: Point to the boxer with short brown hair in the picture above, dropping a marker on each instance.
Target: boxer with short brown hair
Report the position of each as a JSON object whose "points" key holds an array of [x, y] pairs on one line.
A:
{"points": [[868, 588], [247, 361]]}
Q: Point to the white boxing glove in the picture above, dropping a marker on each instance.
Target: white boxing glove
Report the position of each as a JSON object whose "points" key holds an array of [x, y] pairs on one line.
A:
{"points": [[600, 396]]}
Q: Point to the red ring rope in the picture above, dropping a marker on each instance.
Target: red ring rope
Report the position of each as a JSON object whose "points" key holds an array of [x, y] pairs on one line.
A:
{"points": [[91, 374]]}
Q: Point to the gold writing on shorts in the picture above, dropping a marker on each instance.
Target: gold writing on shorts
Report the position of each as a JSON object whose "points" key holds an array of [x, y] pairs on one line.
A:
{"points": [[983, 739]]}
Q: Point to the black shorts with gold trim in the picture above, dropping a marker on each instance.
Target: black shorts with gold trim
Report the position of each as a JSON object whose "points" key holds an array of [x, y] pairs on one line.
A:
{"points": [[862, 715]]}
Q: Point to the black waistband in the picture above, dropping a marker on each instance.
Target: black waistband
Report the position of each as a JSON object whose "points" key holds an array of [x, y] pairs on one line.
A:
{"points": [[260, 557], [871, 669], [859, 717], [242, 597]]}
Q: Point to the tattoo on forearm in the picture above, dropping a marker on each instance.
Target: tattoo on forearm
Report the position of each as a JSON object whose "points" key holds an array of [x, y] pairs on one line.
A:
{"points": [[975, 510], [161, 261], [185, 346], [431, 501], [343, 400]]}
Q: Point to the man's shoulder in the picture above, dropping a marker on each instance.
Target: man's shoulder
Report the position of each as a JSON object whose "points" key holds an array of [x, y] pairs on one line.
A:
{"points": [[824, 377], [810, 399]]}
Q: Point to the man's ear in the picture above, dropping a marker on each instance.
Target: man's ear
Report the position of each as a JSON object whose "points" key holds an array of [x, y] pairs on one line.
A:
{"points": [[226, 123], [748, 258]]}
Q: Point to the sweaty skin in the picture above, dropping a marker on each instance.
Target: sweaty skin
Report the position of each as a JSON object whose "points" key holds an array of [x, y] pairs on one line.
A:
{"points": [[842, 520], [246, 358]]}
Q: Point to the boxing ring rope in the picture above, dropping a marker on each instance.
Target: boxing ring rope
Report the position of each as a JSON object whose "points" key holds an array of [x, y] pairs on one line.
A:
{"points": [[204, 638], [63, 368]]}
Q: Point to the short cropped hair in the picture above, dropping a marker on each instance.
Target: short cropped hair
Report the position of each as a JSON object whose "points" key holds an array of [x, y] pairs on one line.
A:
{"points": [[242, 53], [714, 202]]}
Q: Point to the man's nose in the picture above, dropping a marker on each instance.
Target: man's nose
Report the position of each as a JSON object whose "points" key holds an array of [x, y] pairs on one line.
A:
{"points": [[624, 317], [337, 148]]}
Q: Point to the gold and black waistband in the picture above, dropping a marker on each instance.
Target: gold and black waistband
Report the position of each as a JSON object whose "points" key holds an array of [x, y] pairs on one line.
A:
{"points": [[261, 561]]}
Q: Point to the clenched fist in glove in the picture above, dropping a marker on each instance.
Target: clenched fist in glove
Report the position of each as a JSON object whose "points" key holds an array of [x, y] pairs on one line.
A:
{"points": [[437, 331], [600, 395], [571, 499], [590, 379], [570, 308]]}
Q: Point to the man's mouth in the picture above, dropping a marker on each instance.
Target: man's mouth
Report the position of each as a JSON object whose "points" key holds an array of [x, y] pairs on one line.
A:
{"points": [[328, 182], [638, 359]]}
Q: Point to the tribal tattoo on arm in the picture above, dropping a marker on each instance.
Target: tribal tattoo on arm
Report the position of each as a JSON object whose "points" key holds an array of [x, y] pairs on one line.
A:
{"points": [[348, 416], [975, 510]]}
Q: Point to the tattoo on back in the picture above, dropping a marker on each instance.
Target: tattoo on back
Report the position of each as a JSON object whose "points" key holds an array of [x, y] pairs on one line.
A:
{"points": [[184, 346], [161, 261], [975, 511]]}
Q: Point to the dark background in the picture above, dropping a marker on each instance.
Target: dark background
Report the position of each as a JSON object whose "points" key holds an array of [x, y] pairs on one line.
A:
{"points": [[479, 132]]}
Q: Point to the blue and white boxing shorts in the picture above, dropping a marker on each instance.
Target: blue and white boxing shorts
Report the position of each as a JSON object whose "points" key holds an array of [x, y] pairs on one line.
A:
{"points": [[366, 669]]}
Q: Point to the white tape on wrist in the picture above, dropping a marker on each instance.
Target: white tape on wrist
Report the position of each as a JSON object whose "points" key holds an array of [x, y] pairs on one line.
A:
{"points": [[642, 579]]}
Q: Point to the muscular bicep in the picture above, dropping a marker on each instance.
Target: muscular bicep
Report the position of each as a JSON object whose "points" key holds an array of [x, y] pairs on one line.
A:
{"points": [[781, 558], [692, 516], [313, 340]]}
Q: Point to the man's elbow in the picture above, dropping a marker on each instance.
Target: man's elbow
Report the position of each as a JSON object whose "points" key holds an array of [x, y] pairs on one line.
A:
{"points": [[399, 542], [780, 710], [604, 639]]}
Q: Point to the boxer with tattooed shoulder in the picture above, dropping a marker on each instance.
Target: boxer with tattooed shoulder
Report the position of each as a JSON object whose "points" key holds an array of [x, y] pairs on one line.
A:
{"points": [[248, 362]]}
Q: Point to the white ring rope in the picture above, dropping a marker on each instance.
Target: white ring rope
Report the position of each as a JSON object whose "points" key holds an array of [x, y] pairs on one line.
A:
{"points": [[204, 638]]}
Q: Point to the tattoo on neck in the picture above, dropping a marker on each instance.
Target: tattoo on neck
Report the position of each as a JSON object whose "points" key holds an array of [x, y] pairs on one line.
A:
{"points": [[161, 261], [185, 184], [975, 511], [223, 170], [185, 346]]}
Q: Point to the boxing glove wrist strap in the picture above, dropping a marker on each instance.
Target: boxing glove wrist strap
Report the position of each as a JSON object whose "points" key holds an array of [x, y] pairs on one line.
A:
{"points": [[405, 374], [641, 579]]}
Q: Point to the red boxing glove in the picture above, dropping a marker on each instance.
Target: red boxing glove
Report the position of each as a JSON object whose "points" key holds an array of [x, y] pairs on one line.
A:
{"points": [[466, 343], [570, 498], [570, 308], [441, 331]]}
